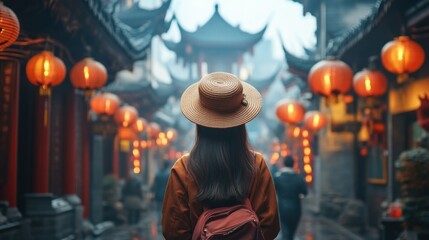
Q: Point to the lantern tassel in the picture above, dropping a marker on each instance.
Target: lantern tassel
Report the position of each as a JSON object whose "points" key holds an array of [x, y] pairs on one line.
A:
{"points": [[402, 78], [44, 91], [45, 112], [88, 94]]}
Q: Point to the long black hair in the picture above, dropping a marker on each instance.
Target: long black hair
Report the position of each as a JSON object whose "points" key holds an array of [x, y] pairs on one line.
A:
{"points": [[222, 164]]}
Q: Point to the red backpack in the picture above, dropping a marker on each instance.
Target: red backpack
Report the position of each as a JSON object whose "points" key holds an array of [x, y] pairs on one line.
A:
{"points": [[234, 222]]}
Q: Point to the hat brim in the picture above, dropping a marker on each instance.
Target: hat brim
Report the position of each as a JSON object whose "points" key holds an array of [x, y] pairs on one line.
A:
{"points": [[198, 114]]}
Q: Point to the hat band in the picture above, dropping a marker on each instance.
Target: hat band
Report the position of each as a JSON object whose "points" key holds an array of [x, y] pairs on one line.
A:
{"points": [[226, 105]]}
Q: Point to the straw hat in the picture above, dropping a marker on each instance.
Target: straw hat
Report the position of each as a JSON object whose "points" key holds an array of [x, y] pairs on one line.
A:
{"points": [[220, 100]]}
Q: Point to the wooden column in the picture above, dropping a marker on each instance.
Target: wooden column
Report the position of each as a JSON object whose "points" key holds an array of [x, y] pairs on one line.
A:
{"points": [[70, 186], [116, 157], [9, 82], [85, 162], [42, 143]]}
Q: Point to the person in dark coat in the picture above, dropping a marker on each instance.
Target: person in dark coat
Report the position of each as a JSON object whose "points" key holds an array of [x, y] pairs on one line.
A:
{"points": [[132, 195], [290, 187], [158, 188]]}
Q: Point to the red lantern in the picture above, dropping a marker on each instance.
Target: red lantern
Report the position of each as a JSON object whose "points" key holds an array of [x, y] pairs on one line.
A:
{"points": [[88, 74], [125, 133], [402, 56], [154, 130], [140, 125], [45, 70], [171, 134], [370, 83], [9, 26], [126, 115], [330, 77], [104, 103], [315, 120], [290, 111]]}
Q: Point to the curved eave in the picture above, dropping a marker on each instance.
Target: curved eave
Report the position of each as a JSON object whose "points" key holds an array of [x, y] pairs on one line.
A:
{"points": [[136, 16], [137, 13], [192, 38], [294, 62], [172, 46], [342, 44]]}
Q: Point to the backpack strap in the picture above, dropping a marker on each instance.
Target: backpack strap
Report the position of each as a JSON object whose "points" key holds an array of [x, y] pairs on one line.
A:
{"points": [[248, 203]]}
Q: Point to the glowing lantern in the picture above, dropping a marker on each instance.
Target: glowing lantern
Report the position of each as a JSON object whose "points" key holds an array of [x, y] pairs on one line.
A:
{"points": [[307, 168], [9, 26], [290, 111], [154, 130], [294, 132], [45, 70], [369, 83], [330, 77], [307, 159], [171, 134], [125, 133], [402, 56], [140, 125], [126, 115], [104, 103], [88, 75], [315, 120]]}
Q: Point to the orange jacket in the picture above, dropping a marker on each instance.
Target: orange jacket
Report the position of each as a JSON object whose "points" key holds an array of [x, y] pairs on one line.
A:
{"points": [[180, 210]]}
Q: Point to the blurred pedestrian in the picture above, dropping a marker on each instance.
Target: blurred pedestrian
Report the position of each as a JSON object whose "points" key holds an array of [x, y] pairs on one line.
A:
{"points": [[221, 169], [158, 188], [132, 196], [290, 188]]}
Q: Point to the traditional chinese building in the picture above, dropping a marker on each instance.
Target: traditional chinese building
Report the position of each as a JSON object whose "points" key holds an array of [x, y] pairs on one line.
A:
{"points": [[47, 152], [212, 51], [375, 179]]}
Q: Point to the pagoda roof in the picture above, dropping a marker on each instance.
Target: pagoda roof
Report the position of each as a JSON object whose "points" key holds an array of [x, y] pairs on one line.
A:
{"points": [[136, 17], [147, 94], [231, 37], [298, 66], [207, 36]]}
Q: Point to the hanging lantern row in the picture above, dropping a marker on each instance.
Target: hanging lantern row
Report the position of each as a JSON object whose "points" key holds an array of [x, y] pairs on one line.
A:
{"points": [[9, 26], [293, 112], [107, 104], [46, 70], [332, 77]]}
